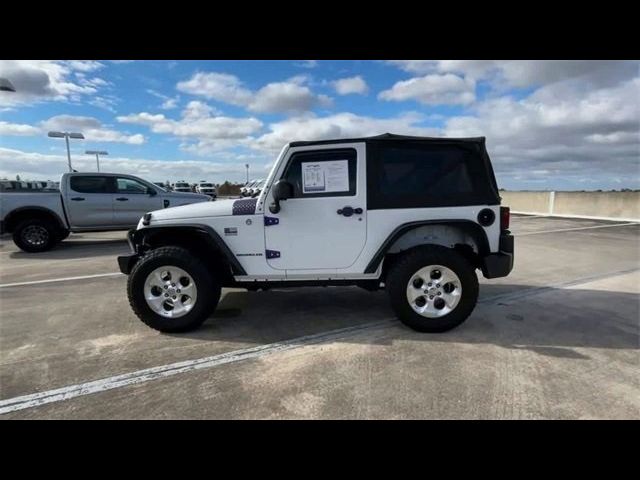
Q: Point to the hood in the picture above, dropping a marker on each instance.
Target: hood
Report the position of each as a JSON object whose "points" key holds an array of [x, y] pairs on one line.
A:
{"points": [[185, 196], [218, 208]]}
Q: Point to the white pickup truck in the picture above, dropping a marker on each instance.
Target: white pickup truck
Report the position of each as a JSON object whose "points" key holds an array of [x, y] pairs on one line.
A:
{"points": [[86, 202]]}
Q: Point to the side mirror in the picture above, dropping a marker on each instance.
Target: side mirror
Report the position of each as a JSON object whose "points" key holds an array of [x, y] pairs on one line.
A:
{"points": [[281, 191], [151, 191]]}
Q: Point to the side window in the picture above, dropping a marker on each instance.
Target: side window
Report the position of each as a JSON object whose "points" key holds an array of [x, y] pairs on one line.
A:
{"points": [[128, 185], [414, 176], [323, 173], [89, 184]]}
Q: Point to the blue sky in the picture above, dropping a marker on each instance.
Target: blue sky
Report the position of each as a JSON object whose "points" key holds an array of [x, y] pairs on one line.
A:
{"points": [[549, 124]]}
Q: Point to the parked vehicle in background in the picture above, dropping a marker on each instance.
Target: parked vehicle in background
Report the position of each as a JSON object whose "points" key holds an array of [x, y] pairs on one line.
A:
{"points": [[207, 188], [414, 216], [182, 187], [244, 190], [86, 202], [22, 185], [255, 190]]}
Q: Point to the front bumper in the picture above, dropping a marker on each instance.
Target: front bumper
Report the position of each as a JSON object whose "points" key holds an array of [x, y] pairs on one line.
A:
{"points": [[126, 262], [496, 265]]}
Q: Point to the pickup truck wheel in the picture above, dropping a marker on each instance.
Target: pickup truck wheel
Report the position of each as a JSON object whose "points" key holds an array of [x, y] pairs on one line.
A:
{"points": [[171, 291], [35, 235], [433, 289]]}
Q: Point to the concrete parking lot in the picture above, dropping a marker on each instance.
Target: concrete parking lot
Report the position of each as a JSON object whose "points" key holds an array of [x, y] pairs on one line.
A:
{"points": [[559, 338]]}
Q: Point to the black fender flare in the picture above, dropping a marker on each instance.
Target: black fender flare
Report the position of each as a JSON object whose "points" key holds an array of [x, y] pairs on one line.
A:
{"points": [[208, 234], [470, 227], [8, 218]]}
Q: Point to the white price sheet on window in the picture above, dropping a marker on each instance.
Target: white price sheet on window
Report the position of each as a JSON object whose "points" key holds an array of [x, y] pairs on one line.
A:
{"points": [[325, 177]]}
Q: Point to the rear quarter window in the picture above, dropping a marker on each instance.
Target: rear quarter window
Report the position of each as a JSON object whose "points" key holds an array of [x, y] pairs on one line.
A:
{"points": [[415, 175]]}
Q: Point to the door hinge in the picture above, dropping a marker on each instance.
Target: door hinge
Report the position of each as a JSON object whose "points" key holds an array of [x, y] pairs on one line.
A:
{"points": [[268, 221], [272, 253]]}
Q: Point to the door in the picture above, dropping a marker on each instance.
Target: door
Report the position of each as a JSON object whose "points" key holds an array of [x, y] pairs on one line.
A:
{"points": [[132, 200], [89, 201], [324, 225]]}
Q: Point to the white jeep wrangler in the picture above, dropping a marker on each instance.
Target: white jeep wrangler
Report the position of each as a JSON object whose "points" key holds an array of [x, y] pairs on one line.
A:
{"points": [[415, 216]]}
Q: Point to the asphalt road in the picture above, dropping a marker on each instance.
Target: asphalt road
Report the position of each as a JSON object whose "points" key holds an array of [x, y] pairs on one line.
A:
{"points": [[558, 338]]}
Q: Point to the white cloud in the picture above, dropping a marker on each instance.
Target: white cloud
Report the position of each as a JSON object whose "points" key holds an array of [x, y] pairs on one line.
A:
{"points": [[290, 96], [570, 134], [341, 125], [526, 73], [17, 129], [433, 90], [285, 97], [217, 86], [168, 103], [307, 64], [92, 129], [346, 86], [201, 123], [39, 80], [37, 166], [84, 65]]}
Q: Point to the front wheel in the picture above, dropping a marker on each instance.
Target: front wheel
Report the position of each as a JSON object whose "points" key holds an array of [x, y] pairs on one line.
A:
{"points": [[170, 290], [433, 289]]}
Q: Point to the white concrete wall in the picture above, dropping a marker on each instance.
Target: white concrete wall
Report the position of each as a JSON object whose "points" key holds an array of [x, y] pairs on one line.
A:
{"points": [[604, 205]]}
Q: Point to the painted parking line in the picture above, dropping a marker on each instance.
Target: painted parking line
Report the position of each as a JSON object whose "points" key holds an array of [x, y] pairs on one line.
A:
{"points": [[163, 371], [578, 228], [155, 373], [64, 279], [522, 216]]}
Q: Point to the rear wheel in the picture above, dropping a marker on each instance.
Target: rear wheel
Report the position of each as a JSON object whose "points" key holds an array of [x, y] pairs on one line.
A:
{"points": [[171, 291], [433, 289], [35, 235]]}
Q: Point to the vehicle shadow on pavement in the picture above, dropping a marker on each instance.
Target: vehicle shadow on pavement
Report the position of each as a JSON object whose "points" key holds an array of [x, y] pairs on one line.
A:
{"points": [[549, 323], [68, 250]]}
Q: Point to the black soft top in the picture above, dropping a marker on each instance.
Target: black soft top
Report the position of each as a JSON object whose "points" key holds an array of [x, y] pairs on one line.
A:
{"points": [[392, 137]]}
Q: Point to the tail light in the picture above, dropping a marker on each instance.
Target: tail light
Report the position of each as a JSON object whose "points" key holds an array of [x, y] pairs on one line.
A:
{"points": [[505, 216]]}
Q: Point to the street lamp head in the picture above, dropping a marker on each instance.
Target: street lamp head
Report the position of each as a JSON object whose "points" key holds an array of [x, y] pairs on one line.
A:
{"points": [[66, 134], [96, 152], [6, 85]]}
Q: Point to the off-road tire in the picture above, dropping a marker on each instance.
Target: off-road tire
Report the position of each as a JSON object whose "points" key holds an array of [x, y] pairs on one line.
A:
{"points": [[49, 234], [408, 264], [208, 289]]}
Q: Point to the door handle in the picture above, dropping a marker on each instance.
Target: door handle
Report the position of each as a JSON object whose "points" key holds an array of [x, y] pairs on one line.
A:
{"points": [[122, 199], [348, 211], [77, 199]]}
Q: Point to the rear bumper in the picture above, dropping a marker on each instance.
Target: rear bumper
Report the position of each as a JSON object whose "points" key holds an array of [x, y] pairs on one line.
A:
{"points": [[499, 264]]}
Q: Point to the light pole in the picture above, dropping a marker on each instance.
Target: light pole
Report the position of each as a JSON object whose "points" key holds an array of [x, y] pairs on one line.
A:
{"points": [[67, 136], [6, 85], [97, 154], [247, 167]]}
